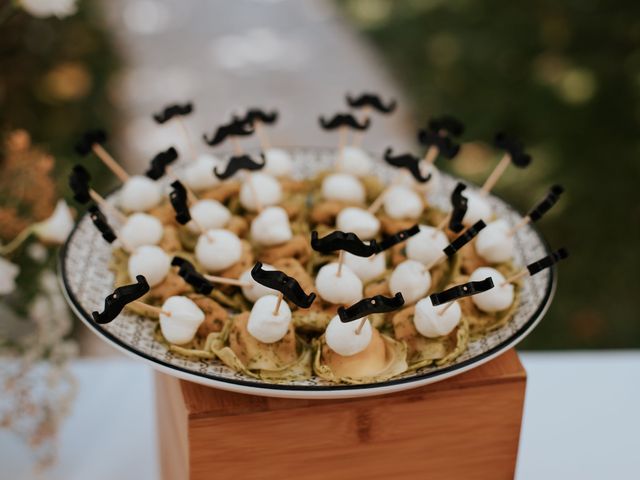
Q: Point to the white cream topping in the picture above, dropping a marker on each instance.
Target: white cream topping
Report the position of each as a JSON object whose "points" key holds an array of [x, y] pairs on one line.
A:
{"points": [[208, 214], [359, 221], [345, 289], [342, 337], [366, 268], [411, 279], [354, 160], [427, 245], [493, 242], [498, 298], [279, 162], [263, 324], [181, 325], [141, 229], [343, 187], [433, 321], [218, 250], [139, 193], [198, 175], [402, 202], [150, 261], [256, 290], [478, 208], [271, 227], [262, 185]]}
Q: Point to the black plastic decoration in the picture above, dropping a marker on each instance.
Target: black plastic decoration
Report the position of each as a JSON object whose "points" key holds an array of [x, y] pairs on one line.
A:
{"points": [[237, 163], [84, 146], [459, 203], [101, 223], [408, 162], [545, 205], [447, 123], [283, 283], [397, 238], [180, 202], [447, 147], [171, 111], [159, 163], [371, 100], [338, 240], [368, 306], [464, 238], [235, 128], [459, 291], [547, 261], [514, 147], [79, 179], [189, 274], [121, 296], [344, 120], [258, 115]]}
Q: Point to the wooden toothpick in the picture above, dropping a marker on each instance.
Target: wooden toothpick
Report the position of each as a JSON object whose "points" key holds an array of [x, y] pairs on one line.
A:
{"points": [[515, 277], [263, 138], [109, 161], [187, 136], [227, 281], [340, 262], [361, 325], [153, 308], [491, 181], [525, 221], [104, 205], [277, 309], [358, 136], [441, 312]]}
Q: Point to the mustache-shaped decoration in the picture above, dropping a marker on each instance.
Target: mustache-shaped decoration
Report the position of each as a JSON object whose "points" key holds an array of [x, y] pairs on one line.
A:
{"points": [[408, 162], [171, 111], [459, 291], [189, 274], [121, 296], [545, 205], [235, 128], [101, 223], [88, 140], [371, 100], [459, 203], [237, 163], [257, 114], [283, 283], [447, 147], [398, 237], [368, 306], [349, 242], [514, 147], [344, 120], [159, 163], [446, 123], [464, 238], [79, 179], [179, 201], [547, 261]]}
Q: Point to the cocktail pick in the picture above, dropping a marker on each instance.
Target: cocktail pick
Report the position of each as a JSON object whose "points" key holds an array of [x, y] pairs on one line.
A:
{"points": [[408, 162], [79, 180], [235, 128], [342, 241], [462, 239], [288, 287], [437, 144], [459, 204], [120, 298], [514, 153], [368, 100], [178, 111], [256, 118], [538, 266], [537, 212], [368, 306], [161, 163], [202, 283], [342, 122], [101, 223], [446, 125], [459, 291], [397, 238], [238, 163], [91, 141]]}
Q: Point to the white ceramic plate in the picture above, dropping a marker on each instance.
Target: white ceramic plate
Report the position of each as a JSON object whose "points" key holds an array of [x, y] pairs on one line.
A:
{"points": [[86, 281]]}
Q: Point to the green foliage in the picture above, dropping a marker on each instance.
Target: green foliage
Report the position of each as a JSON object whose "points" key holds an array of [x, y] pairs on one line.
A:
{"points": [[565, 77]]}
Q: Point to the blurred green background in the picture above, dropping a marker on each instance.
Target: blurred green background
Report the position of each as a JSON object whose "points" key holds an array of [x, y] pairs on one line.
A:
{"points": [[564, 76]]}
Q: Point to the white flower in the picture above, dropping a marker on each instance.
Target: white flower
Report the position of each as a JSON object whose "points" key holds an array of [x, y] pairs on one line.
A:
{"points": [[8, 274], [47, 8], [57, 227]]}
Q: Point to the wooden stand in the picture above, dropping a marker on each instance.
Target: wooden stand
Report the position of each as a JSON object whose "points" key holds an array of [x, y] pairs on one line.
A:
{"points": [[465, 427]]}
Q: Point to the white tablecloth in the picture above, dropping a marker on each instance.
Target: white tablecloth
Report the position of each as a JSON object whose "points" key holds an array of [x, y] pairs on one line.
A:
{"points": [[581, 421]]}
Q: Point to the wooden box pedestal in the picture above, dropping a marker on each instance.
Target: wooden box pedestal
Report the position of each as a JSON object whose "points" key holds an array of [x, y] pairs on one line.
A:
{"points": [[466, 427]]}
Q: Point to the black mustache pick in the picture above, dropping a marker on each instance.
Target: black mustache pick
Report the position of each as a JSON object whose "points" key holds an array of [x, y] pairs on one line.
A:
{"points": [[545, 205], [283, 283], [367, 306], [171, 111], [406, 161], [101, 223], [237, 163], [344, 120], [514, 147], [257, 114], [121, 296], [179, 201], [547, 261], [447, 147], [446, 123], [84, 146], [159, 163], [235, 128], [464, 238], [79, 179], [349, 242], [459, 291], [190, 275], [371, 100], [459, 203], [398, 237]]}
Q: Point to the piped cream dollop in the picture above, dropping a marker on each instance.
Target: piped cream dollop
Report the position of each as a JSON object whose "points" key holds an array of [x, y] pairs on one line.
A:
{"points": [[150, 261], [497, 299], [139, 194], [342, 337], [141, 229], [494, 243], [345, 289], [343, 187], [359, 221], [427, 245], [433, 321], [264, 186], [266, 326], [271, 227], [208, 214], [180, 319], [218, 249], [411, 279]]}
